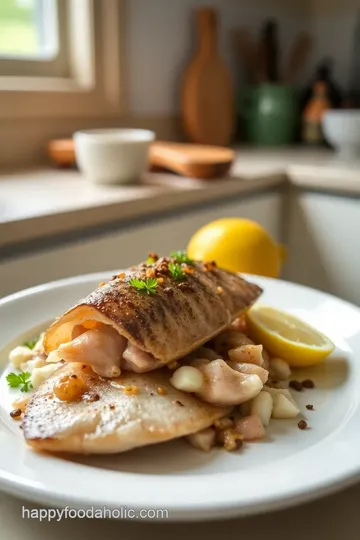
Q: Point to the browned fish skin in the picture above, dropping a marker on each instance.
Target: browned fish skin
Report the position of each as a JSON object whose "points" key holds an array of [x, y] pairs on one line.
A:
{"points": [[130, 412], [168, 326]]}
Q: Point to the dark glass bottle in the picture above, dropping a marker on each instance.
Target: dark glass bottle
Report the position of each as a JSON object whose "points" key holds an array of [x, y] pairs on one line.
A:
{"points": [[324, 74]]}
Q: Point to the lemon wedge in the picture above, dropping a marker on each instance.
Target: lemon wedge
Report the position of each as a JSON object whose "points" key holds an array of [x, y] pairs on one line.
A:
{"points": [[287, 336]]}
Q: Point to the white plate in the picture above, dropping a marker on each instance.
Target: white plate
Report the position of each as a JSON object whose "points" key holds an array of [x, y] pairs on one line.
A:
{"points": [[290, 467]]}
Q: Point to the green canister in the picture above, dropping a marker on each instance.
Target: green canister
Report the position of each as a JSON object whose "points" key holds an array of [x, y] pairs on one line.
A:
{"points": [[270, 114]]}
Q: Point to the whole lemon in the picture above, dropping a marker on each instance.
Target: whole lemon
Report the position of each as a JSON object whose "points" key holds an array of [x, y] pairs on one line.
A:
{"points": [[237, 245]]}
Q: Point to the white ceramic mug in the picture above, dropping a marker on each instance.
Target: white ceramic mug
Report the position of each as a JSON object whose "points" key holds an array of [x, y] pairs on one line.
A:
{"points": [[112, 156]]}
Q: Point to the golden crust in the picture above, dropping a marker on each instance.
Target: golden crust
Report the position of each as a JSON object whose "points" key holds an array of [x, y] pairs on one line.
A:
{"points": [[176, 320], [117, 420]]}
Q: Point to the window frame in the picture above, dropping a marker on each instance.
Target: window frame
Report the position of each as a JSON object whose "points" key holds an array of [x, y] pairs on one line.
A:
{"points": [[32, 66], [93, 86]]}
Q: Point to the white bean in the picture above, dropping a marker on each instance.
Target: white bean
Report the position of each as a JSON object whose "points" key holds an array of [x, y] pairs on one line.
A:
{"points": [[284, 408], [39, 347], [262, 405], [187, 379], [20, 355], [277, 391], [35, 362], [203, 440], [280, 369], [39, 375]]}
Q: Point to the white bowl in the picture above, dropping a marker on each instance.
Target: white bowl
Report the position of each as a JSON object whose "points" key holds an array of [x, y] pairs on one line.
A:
{"points": [[342, 130], [112, 156]]}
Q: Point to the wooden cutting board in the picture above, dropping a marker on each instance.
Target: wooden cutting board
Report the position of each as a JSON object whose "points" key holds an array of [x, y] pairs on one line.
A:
{"points": [[207, 97], [61, 152], [192, 160]]}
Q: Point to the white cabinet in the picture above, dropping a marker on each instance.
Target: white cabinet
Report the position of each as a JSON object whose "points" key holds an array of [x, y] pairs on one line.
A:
{"points": [[323, 236], [127, 246]]}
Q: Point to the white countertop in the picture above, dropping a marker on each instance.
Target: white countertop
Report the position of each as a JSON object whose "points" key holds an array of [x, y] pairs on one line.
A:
{"points": [[319, 169], [43, 202], [332, 518]]}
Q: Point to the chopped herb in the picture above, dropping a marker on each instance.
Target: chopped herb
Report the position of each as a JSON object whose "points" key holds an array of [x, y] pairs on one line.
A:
{"points": [[20, 379], [176, 271], [181, 257], [152, 257], [145, 286], [31, 343]]}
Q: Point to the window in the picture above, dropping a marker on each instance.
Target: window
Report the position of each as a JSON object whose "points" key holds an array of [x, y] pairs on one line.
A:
{"points": [[60, 58], [34, 38], [28, 29]]}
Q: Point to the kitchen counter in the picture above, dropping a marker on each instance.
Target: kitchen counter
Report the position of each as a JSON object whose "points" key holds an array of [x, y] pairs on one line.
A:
{"points": [[316, 169], [45, 202]]}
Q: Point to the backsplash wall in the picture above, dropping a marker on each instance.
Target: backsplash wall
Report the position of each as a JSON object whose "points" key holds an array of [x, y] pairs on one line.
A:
{"points": [[159, 40], [333, 25], [160, 36]]}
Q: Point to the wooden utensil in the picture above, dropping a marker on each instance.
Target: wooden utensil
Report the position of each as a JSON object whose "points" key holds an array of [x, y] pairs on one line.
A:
{"points": [[267, 53], [192, 160], [245, 47], [207, 100], [298, 56]]}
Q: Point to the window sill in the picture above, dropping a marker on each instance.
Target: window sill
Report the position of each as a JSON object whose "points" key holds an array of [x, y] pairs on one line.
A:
{"points": [[40, 84]]}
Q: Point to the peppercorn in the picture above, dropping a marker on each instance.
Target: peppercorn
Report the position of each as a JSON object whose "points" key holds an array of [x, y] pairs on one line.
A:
{"points": [[302, 424], [296, 385], [308, 383]]}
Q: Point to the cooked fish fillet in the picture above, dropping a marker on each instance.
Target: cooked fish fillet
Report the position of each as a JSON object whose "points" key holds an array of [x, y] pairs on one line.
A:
{"points": [[118, 421], [177, 319]]}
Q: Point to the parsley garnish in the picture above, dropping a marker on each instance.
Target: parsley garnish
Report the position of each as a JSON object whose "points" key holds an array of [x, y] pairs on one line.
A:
{"points": [[145, 286], [181, 257], [176, 271], [31, 343], [20, 379]]}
